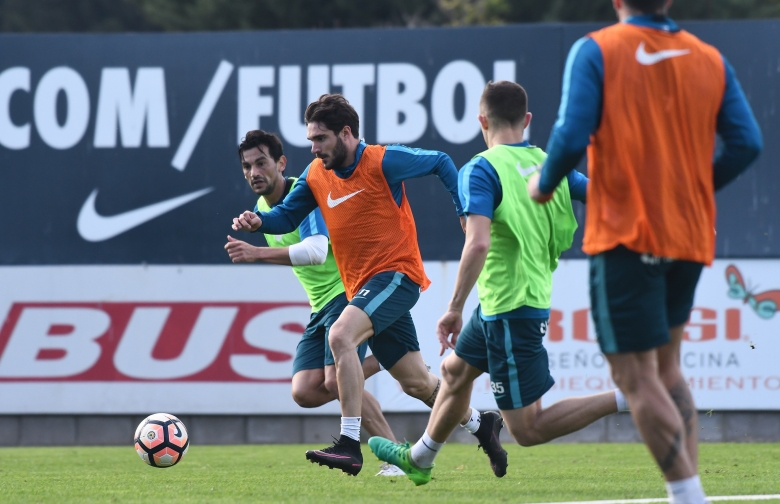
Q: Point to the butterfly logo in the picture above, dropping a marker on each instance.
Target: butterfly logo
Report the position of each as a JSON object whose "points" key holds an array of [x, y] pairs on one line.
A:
{"points": [[765, 304]]}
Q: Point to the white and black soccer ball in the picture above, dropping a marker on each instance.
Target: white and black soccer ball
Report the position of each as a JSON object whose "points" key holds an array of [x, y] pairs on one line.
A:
{"points": [[161, 440]]}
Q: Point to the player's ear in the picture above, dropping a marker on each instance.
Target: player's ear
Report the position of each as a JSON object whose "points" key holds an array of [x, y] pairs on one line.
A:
{"points": [[282, 163], [527, 120], [483, 121]]}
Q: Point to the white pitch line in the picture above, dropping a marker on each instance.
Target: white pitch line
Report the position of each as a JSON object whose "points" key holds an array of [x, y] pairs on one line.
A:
{"points": [[202, 115], [666, 499]]}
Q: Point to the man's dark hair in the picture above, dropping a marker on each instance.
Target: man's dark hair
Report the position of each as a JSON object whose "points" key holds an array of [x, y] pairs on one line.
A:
{"points": [[646, 6], [256, 138], [335, 112], [506, 103]]}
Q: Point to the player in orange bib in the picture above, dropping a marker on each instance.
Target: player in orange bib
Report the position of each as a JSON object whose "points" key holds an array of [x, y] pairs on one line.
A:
{"points": [[360, 192], [650, 98]]}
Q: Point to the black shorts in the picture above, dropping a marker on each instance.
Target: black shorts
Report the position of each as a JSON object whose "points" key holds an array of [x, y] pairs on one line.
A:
{"points": [[511, 351], [313, 351], [387, 298], [635, 298]]}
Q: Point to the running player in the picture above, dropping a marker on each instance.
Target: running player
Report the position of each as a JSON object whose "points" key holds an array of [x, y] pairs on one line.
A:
{"points": [[512, 247], [307, 250], [650, 99], [359, 189]]}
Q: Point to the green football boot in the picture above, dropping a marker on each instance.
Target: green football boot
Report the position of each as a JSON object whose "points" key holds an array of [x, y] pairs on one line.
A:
{"points": [[400, 455]]}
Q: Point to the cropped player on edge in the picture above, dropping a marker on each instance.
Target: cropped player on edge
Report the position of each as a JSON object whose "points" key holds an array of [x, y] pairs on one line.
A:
{"points": [[512, 247], [359, 189], [650, 99], [307, 250]]}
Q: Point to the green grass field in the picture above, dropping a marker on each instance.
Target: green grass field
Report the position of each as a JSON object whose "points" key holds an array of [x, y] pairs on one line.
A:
{"points": [[279, 473]]}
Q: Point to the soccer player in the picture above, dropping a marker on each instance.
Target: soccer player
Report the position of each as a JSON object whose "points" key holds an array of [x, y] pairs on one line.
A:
{"points": [[359, 189], [650, 99], [307, 250], [511, 250]]}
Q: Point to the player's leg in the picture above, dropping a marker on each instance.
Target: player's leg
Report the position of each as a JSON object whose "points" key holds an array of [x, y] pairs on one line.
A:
{"points": [[628, 301], [352, 328], [378, 304], [412, 374], [371, 366], [343, 337], [654, 413], [675, 383], [398, 350], [450, 407], [309, 388], [533, 425], [448, 411], [372, 418], [681, 280]]}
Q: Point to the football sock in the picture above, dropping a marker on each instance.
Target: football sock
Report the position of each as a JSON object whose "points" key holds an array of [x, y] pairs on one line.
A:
{"points": [[686, 491], [472, 425], [425, 450], [620, 399], [350, 427]]}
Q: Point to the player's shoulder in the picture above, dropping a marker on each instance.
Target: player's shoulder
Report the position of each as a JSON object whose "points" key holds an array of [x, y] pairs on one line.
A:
{"points": [[412, 151], [478, 167]]}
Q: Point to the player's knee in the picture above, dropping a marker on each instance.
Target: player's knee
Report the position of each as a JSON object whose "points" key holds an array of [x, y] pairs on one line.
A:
{"points": [[455, 381], [525, 435], [630, 381], [340, 341], [670, 373], [332, 386], [304, 398], [418, 387]]}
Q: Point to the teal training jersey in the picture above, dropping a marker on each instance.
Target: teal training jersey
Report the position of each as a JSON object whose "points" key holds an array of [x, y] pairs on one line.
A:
{"points": [[526, 239], [322, 282]]}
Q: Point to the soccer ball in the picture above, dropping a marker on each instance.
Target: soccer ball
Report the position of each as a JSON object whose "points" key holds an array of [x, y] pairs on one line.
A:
{"points": [[161, 440]]}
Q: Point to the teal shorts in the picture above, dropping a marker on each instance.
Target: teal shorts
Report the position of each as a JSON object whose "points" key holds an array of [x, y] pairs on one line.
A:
{"points": [[511, 352], [387, 298], [313, 350], [636, 298]]}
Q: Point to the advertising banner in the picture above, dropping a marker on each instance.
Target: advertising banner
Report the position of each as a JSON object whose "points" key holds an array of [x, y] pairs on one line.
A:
{"points": [[123, 146], [220, 339]]}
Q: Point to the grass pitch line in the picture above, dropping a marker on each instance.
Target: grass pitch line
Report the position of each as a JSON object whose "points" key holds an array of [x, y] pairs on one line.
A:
{"points": [[666, 499]]}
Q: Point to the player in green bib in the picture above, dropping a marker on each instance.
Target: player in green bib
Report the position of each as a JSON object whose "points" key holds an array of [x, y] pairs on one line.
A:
{"points": [[511, 250], [308, 251]]}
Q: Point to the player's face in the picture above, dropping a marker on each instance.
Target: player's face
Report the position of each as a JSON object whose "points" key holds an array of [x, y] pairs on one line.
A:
{"points": [[261, 171], [326, 145]]}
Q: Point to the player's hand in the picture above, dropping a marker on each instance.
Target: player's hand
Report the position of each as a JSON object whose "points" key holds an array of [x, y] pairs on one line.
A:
{"points": [[448, 329], [534, 192], [247, 221], [463, 223], [240, 251]]}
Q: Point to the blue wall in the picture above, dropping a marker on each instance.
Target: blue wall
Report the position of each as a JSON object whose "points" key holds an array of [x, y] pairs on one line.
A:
{"points": [[116, 113]]}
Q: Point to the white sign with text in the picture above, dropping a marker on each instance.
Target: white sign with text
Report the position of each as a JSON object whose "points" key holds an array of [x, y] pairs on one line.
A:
{"points": [[220, 339]]}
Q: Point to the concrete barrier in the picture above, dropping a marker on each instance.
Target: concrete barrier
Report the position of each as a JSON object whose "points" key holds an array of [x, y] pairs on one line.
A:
{"points": [[113, 430]]}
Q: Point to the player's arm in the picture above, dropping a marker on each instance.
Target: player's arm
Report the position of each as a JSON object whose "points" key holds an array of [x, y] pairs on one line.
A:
{"points": [[480, 194], [579, 116], [739, 131], [283, 218], [313, 247], [578, 185], [401, 163], [313, 250]]}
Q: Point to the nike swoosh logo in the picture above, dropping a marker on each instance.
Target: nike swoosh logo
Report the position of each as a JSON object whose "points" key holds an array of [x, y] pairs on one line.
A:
{"points": [[332, 203], [527, 171], [94, 227], [646, 58]]}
